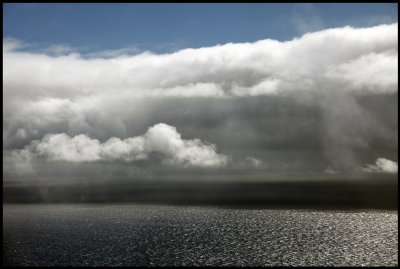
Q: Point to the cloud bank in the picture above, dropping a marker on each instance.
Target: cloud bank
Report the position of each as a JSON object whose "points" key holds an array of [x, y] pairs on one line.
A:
{"points": [[362, 59], [325, 99]]}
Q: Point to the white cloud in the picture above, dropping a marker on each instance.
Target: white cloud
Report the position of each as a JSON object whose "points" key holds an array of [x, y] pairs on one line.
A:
{"points": [[12, 44], [161, 139], [373, 72], [61, 147], [382, 165], [358, 58]]}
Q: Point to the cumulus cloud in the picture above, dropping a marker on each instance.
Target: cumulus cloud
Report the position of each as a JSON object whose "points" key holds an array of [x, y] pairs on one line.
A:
{"points": [[382, 165], [160, 139]]}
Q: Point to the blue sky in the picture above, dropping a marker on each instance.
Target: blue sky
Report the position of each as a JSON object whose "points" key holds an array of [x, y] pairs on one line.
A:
{"points": [[169, 27]]}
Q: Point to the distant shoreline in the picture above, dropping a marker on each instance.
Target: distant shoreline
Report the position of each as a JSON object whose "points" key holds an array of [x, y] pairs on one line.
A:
{"points": [[327, 194]]}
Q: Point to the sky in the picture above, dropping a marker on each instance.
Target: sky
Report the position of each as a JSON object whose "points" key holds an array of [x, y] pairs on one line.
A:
{"points": [[172, 26], [127, 90]]}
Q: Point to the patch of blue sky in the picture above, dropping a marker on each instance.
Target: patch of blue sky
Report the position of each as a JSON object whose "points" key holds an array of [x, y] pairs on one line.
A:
{"points": [[106, 30]]}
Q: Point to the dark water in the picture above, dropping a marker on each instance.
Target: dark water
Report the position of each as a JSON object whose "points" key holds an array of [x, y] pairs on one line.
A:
{"points": [[145, 235]]}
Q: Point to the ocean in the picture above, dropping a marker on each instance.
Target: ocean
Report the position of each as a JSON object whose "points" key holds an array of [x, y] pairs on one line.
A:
{"points": [[157, 235]]}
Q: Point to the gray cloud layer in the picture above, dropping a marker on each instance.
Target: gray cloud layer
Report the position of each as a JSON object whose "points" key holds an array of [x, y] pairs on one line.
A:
{"points": [[327, 99]]}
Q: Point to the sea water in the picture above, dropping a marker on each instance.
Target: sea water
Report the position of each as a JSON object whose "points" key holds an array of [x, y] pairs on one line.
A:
{"points": [[154, 235]]}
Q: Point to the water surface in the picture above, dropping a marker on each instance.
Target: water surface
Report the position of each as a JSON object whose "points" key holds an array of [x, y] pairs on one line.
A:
{"points": [[152, 235]]}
